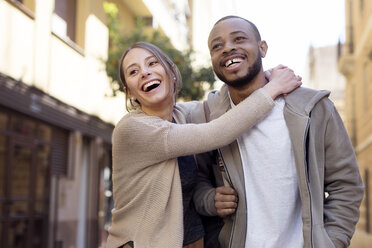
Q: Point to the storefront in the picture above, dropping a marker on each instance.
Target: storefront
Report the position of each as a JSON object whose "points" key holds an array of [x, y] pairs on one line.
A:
{"points": [[55, 164]]}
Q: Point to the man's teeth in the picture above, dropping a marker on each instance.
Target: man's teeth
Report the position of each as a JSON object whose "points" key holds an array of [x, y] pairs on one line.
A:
{"points": [[233, 61], [147, 87]]}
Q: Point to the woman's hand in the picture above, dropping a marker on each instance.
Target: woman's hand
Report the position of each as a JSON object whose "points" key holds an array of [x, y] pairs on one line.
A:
{"points": [[282, 80]]}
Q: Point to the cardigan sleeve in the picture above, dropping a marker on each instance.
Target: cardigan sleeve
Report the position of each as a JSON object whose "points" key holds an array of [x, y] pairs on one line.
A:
{"points": [[154, 140]]}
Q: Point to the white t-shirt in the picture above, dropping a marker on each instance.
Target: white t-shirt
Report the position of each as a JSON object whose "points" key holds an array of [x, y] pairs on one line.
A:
{"points": [[272, 194]]}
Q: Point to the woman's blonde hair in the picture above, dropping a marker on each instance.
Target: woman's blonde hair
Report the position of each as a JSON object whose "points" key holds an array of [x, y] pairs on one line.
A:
{"points": [[170, 68]]}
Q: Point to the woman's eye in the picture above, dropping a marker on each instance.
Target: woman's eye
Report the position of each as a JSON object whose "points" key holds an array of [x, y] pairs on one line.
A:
{"points": [[153, 63], [132, 72]]}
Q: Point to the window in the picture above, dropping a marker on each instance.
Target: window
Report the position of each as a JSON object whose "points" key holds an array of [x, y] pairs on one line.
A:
{"points": [[64, 19], [365, 87], [25, 163], [366, 200], [27, 6], [147, 21], [361, 5]]}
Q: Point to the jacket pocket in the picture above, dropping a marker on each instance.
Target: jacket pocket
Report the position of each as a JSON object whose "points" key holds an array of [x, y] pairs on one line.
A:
{"points": [[321, 238]]}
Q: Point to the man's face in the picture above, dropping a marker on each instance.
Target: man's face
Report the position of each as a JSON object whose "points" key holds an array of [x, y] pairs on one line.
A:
{"points": [[235, 52]]}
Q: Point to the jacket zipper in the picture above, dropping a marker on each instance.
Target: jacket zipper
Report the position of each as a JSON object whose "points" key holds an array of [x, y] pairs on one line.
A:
{"points": [[230, 182], [307, 180]]}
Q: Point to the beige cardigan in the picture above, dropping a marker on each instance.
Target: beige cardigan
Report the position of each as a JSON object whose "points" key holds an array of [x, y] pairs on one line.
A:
{"points": [[146, 183]]}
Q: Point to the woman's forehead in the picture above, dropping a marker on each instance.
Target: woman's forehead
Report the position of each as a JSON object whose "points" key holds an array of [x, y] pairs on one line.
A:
{"points": [[136, 55]]}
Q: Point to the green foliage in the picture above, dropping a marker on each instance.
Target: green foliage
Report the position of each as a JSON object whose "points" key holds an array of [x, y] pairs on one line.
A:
{"points": [[193, 79]]}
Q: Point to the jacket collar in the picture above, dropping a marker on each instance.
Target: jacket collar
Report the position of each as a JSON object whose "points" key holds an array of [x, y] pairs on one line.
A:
{"points": [[302, 100], [220, 104]]}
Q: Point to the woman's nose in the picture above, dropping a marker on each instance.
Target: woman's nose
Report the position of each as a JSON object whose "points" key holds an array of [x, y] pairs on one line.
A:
{"points": [[145, 73]]}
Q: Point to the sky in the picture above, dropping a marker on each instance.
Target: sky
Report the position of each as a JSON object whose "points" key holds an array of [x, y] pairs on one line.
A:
{"points": [[291, 26]]}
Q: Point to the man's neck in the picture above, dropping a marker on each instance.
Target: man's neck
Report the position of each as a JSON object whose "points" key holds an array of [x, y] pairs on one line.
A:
{"points": [[239, 94]]}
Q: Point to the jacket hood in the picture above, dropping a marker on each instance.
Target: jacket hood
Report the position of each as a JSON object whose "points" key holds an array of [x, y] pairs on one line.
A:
{"points": [[302, 100], [218, 102]]}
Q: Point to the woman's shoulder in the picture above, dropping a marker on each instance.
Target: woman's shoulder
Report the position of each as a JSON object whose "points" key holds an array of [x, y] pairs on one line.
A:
{"points": [[138, 121]]}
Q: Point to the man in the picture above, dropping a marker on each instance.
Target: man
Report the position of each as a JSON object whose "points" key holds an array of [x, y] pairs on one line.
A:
{"points": [[293, 179]]}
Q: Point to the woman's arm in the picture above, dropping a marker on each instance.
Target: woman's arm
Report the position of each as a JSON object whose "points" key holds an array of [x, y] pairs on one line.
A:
{"points": [[154, 140], [197, 138]]}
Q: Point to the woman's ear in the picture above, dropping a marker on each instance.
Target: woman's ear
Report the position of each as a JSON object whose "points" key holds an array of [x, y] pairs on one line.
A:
{"points": [[127, 92]]}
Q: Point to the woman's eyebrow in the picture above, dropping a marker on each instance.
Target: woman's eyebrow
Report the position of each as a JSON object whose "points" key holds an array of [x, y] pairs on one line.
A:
{"points": [[134, 64], [129, 66], [149, 57]]}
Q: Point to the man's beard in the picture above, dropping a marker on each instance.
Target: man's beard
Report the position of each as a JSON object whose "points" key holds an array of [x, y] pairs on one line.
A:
{"points": [[252, 72]]}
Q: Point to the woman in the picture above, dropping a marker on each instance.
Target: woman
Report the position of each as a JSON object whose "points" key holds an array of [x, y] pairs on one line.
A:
{"points": [[147, 145]]}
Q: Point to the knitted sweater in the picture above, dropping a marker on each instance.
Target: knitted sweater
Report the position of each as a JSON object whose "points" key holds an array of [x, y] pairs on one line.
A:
{"points": [[146, 182]]}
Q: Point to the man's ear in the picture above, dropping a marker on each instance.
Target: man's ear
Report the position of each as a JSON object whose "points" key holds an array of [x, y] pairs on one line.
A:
{"points": [[263, 48]]}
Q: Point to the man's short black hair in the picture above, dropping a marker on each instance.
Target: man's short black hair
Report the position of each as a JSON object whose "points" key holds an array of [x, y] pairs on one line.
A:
{"points": [[255, 29]]}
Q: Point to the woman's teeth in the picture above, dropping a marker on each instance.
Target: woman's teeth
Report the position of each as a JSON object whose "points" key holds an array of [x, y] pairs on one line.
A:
{"points": [[151, 85]]}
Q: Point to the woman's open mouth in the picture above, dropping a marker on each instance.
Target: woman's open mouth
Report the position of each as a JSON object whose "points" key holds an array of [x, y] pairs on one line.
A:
{"points": [[151, 85]]}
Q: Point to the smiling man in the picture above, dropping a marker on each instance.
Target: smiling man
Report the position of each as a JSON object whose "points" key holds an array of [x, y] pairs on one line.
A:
{"points": [[269, 185]]}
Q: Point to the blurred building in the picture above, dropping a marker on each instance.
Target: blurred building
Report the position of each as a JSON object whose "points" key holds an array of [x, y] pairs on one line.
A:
{"points": [[56, 120], [321, 73], [204, 14], [356, 64]]}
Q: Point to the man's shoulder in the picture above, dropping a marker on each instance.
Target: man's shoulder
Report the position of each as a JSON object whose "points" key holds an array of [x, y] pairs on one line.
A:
{"points": [[304, 99], [216, 102], [308, 93], [188, 111]]}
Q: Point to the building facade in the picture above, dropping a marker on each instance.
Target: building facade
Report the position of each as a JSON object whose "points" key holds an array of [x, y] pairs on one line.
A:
{"points": [[56, 121], [321, 73], [356, 64]]}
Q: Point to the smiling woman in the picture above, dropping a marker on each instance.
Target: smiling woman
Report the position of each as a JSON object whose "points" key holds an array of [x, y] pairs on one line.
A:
{"points": [[148, 82], [154, 172], [144, 58]]}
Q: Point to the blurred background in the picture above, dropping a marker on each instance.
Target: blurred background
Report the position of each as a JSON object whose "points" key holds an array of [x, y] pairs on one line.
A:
{"points": [[60, 97]]}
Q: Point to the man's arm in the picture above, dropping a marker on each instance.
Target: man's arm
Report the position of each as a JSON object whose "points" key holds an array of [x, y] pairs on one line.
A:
{"points": [[342, 182], [208, 179], [210, 198]]}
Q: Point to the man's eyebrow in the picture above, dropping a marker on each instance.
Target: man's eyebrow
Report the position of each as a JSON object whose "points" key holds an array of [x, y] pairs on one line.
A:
{"points": [[237, 32], [232, 33], [216, 39]]}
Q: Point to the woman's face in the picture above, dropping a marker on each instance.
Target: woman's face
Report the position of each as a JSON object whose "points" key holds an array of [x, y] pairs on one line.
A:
{"points": [[147, 80]]}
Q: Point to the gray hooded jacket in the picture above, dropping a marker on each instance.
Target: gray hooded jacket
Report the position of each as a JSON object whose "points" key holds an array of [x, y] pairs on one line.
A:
{"points": [[325, 163]]}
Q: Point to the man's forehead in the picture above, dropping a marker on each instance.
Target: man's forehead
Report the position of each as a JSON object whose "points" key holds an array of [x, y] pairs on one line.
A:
{"points": [[229, 27]]}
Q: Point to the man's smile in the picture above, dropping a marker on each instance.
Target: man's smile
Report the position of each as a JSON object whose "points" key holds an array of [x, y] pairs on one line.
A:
{"points": [[233, 61]]}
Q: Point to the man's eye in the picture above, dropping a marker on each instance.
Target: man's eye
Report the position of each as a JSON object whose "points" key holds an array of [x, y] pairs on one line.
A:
{"points": [[239, 38], [216, 46]]}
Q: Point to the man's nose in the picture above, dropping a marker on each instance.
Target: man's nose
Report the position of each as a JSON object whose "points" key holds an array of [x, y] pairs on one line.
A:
{"points": [[229, 46]]}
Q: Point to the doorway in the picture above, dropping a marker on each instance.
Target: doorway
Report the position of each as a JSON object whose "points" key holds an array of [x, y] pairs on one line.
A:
{"points": [[24, 183]]}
